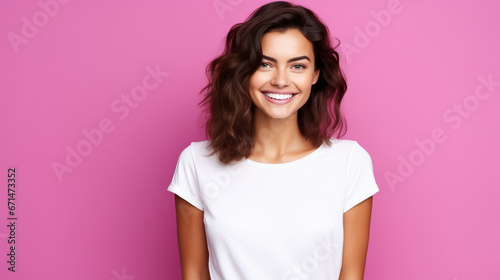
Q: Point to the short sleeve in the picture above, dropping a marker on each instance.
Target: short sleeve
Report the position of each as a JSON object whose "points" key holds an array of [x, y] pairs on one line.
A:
{"points": [[184, 182], [361, 180]]}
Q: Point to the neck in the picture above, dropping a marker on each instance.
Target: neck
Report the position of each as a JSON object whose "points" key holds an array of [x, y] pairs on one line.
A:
{"points": [[275, 138]]}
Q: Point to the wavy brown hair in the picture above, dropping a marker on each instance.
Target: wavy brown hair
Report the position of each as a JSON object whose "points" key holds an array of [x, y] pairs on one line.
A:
{"points": [[227, 102]]}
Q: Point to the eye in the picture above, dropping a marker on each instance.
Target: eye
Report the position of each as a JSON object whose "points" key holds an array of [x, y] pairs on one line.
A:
{"points": [[299, 66], [264, 64]]}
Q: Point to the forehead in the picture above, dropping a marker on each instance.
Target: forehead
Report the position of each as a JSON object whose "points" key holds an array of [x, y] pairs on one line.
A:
{"points": [[290, 43]]}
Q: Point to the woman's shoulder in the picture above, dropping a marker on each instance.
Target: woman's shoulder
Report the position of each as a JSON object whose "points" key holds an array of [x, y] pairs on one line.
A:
{"points": [[201, 152], [347, 147], [194, 149], [341, 144], [200, 147]]}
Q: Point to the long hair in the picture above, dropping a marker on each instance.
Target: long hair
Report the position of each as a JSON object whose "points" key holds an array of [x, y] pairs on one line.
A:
{"points": [[227, 99]]}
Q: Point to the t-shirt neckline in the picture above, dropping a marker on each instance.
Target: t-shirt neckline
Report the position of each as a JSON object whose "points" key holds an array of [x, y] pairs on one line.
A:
{"points": [[284, 164]]}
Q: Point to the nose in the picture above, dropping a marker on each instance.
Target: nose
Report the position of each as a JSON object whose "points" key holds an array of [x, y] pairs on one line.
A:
{"points": [[280, 78]]}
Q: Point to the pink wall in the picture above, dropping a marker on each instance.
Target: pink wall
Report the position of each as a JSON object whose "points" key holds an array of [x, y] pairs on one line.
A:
{"points": [[127, 74]]}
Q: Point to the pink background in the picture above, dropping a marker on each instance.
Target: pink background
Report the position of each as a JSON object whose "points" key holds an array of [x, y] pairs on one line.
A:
{"points": [[111, 217]]}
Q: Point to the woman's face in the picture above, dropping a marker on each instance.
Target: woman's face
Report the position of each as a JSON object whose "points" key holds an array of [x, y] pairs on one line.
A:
{"points": [[282, 83]]}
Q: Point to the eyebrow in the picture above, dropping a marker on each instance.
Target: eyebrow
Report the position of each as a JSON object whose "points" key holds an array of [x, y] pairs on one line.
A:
{"points": [[290, 60]]}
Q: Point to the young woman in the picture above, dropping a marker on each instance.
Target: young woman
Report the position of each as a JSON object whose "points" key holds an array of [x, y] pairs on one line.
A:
{"points": [[272, 194]]}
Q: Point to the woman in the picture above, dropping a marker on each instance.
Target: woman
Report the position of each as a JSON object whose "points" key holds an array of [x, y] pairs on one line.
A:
{"points": [[271, 194]]}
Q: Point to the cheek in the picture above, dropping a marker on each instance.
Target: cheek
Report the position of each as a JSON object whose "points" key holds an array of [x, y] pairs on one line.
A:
{"points": [[305, 81], [253, 87], [257, 80], [255, 83]]}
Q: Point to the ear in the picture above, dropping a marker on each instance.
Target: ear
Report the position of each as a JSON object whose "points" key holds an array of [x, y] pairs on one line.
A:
{"points": [[316, 76]]}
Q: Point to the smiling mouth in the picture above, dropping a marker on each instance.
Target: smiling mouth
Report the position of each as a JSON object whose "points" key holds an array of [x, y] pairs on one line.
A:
{"points": [[278, 96]]}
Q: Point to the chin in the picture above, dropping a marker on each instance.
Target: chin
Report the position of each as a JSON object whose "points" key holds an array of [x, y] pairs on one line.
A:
{"points": [[279, 115]]}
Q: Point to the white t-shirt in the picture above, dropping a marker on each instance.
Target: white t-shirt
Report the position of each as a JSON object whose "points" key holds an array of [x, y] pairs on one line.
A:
{"points": [[281, 221]]}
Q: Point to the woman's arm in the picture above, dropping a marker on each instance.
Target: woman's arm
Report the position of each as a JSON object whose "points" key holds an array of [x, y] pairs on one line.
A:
{"points": [[192, 241], [356, 235]]}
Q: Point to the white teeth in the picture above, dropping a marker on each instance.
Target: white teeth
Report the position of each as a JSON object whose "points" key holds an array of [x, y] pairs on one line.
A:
{"points": [[279, 96]]}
